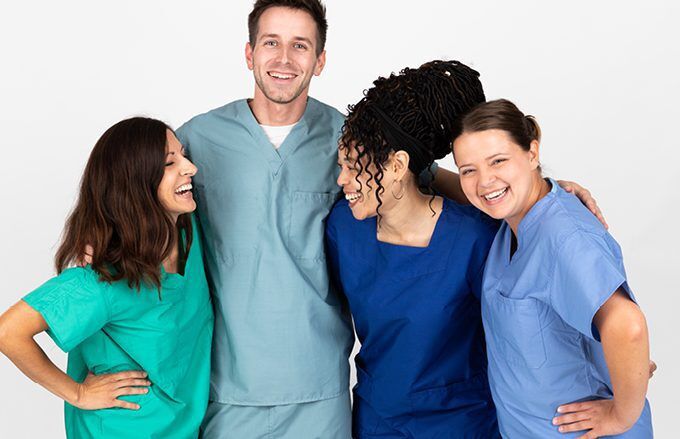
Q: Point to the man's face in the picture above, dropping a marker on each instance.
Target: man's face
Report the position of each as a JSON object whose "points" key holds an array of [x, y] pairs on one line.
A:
{"points": [[284, 57]]}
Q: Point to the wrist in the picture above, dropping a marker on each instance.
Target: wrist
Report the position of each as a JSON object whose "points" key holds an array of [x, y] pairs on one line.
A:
{"points": [[625, 415], [73, 394]]}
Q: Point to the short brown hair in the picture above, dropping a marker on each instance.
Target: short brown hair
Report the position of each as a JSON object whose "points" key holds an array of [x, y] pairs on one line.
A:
{"points": [[313, 7], [501, 114]]}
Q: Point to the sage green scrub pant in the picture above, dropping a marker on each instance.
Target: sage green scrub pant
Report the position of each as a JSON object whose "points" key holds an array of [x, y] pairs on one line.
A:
{"points": [[325, 419]]}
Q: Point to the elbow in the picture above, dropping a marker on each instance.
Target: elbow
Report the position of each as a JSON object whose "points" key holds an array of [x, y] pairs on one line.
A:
{"points": [[4, 335], [634, 330]]}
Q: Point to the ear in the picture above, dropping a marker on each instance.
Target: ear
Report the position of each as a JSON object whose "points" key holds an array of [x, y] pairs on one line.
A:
{"points": [[399, 164], [534, 157], [320, 63], [249, 56]]}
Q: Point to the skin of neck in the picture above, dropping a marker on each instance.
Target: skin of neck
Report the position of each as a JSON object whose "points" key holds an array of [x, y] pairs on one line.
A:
{"points": [[539, 189], [170, 263], [403, 221], [268, 112]]}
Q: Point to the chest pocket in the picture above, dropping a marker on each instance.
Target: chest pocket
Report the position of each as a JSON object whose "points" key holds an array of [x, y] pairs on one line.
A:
{"points": [[517, 330], [307, 218]]}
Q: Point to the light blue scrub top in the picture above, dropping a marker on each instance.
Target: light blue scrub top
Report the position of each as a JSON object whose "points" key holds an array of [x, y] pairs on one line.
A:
{"points": [[538, 309], [281, 334]]}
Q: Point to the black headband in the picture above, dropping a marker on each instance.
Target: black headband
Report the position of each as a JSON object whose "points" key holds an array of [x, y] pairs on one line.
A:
{"points": [[400, 140]]}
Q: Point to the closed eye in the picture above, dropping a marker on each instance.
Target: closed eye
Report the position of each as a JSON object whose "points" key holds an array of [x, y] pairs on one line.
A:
{"points": [[497, 161]]}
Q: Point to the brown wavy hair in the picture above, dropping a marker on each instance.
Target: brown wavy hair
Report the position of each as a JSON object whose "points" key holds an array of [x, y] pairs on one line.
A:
{"points": [[118, 213]]}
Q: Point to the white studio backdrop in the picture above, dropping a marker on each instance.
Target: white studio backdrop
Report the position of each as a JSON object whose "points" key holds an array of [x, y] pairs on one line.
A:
{"points": [[603, 79]]}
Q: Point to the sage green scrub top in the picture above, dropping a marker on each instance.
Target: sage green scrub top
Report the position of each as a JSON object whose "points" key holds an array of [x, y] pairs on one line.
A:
{"points": [[109, 328], [282, 335]]}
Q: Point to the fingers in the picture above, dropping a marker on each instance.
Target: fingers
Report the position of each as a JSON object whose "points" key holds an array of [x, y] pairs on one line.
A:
{"points": [[131, 391], [570, 418], [576, 426], [125, 404], [592, 434], [574, 407], [129, 374], [133, 382]]}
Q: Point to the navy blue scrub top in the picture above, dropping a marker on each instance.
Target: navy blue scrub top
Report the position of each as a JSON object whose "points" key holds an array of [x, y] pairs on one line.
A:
{"points": [[421, 370]]}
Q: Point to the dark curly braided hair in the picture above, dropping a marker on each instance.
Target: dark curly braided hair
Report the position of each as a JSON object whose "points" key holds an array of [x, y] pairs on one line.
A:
{"points": [[423, 104]]}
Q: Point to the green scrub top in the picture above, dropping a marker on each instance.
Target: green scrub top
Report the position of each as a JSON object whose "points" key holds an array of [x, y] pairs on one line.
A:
{"points": [[282, 335], [109, 328]]}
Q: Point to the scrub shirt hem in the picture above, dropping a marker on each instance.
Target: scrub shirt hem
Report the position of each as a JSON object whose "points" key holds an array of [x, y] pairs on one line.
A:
{"points": [[275, 402], [53, 335]]}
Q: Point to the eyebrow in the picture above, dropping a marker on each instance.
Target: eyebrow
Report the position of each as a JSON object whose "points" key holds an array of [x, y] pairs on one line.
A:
{"points": [[488, 158], [305, 39]]}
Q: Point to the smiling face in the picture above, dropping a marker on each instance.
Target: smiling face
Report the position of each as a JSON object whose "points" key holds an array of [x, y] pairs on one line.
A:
{"points": [[283, 58], [360, 192], [497, 175], [174, 190]]}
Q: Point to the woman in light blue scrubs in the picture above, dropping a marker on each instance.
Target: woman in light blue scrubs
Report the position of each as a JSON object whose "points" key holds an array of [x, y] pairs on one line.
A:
{"points": [[567, 345]]}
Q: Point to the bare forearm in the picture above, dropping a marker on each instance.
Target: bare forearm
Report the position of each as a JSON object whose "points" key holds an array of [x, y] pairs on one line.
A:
{"points": [[18, 326], [626, 349], [27, 355], [447, 183]]}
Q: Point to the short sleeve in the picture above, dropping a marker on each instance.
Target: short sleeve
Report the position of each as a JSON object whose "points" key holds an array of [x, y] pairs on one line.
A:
{"points": [[588, 270], [73, 304]]}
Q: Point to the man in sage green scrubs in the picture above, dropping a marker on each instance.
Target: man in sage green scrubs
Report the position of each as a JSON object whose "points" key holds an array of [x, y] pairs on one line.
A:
{"points": [[268, 166]]}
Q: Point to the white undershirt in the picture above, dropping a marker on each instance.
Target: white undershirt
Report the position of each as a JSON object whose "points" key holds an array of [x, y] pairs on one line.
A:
{"points": [[277, 134]]}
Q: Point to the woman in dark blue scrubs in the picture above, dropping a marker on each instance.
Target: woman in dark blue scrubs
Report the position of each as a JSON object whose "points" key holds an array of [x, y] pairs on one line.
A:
{"points": [[410, 264]]}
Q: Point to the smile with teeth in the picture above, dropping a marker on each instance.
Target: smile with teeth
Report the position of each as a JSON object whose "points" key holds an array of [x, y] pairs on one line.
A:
{"points": [[352, 197], [495, 195], [183, 189], [278, 75]]}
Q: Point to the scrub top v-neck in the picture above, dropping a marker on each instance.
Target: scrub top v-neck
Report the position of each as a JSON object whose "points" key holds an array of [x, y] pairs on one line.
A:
{"points": [[421, 369], [538, 308], [108, 328], [281, 335]]}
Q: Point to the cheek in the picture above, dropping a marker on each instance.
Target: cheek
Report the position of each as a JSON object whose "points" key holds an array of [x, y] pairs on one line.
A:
{"points": [[468, 185]]}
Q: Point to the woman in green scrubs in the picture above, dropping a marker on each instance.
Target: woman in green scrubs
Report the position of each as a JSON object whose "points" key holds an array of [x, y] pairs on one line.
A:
{"points": [[137, 321]]}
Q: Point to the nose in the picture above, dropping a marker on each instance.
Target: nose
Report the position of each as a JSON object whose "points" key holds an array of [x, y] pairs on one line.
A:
{"points": [[342, 178], [284, 54], [486, 177], [188, 168]]}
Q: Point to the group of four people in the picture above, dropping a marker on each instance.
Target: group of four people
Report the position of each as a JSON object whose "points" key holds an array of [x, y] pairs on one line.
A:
{"points": [[509, 316]]}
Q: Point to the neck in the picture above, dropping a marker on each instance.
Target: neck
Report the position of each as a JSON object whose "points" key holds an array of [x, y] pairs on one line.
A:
{"points": [[539, 189], [272, 113], [410, 220], [170, 263]]}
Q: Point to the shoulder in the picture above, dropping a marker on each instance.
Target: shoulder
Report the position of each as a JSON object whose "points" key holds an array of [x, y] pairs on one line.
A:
{"points": [[570, 229], [76, 282], [473, 222], [325, 109], [341, 223], [340, 215], [81, 277], [206, 121], [323, 115], [567, 220]]}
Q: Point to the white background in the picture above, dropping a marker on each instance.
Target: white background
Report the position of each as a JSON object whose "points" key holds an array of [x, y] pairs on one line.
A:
{"points": [[601, 76]]}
